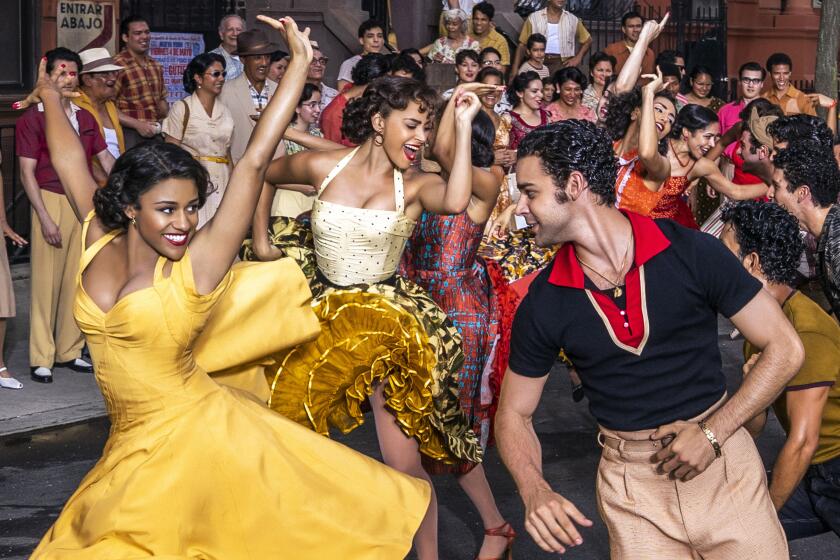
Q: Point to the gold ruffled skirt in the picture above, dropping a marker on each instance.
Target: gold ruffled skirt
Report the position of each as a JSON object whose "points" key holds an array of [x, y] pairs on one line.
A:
{"points": [[391, 333]]}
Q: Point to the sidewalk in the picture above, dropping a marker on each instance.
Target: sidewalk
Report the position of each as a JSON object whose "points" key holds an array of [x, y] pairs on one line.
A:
{"points": [[72, 397]]}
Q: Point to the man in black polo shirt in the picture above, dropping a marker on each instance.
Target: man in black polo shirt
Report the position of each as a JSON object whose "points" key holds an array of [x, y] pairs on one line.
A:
{"points": [[633, 302]]}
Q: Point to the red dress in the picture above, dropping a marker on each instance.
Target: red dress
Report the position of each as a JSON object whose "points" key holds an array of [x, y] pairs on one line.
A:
{"points": [[441, 257], [671, 204]]}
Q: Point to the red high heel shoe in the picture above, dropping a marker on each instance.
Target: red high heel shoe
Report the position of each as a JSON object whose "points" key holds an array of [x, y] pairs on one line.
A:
{"points": [[504, 531]]}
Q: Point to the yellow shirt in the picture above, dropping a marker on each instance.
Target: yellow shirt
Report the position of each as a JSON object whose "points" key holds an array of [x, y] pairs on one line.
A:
{"points": [[494, 39], [793, 102], [820, 336]]}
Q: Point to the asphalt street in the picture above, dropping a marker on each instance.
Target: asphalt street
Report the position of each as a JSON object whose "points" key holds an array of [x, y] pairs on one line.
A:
{"points": [[39, 471]]}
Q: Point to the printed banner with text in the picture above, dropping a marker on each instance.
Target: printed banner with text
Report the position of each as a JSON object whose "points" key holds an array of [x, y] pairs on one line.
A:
{"points": [[85, 25], [174, 51]]}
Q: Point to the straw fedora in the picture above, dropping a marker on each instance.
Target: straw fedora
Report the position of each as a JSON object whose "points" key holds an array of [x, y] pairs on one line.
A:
{"points": [[254, 42], [98, 60]]}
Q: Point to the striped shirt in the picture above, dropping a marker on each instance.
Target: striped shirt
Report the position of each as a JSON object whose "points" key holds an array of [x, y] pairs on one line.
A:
{"points": [[828, 258]]}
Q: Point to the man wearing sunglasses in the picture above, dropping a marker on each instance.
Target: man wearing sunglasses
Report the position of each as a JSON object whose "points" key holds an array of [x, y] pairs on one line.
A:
{"points": [[247, 95], [317, 69]]}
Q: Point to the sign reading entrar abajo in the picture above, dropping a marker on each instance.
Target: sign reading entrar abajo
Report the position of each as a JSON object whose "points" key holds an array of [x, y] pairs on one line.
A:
{"points": [[174, 51], [87, 24]]}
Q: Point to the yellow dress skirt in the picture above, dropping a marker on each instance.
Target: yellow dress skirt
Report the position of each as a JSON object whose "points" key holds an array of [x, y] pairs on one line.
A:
{"points": [[389, 332], [196, 469]]}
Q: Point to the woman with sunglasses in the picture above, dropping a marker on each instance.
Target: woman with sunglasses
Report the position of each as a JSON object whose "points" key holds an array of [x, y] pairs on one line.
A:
{"points": [[202, 125]]}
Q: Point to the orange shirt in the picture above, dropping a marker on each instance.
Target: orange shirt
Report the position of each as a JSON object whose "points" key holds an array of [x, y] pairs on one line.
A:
{"points": [[621, 52], [793, 102]]}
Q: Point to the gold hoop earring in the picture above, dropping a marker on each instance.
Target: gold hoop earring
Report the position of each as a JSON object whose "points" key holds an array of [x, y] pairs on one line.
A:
{"points": [[378, 139]]}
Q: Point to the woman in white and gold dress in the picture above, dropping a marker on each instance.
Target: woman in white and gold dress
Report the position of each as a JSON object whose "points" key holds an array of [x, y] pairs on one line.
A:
{"points": [[383, 339]]}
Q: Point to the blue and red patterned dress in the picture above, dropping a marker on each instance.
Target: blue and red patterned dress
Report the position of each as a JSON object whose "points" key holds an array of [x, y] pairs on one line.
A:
{"points": [[442, 258]]}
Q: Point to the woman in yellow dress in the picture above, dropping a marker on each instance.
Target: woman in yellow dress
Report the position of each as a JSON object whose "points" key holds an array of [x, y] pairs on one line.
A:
{"points": [[383, 340], [192, 469]]}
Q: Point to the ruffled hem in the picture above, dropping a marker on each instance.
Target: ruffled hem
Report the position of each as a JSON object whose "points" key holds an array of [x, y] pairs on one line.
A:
{"points": [[371, 334], [385, 334]]}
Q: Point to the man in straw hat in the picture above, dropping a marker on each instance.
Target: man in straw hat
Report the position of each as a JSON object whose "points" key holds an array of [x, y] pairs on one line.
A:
{"points": [[247, 95], [97, 89], [141, 91]]}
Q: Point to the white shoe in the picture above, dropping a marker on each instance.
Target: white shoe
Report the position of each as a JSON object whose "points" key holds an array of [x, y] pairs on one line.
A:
{"points": [[9, 382]]}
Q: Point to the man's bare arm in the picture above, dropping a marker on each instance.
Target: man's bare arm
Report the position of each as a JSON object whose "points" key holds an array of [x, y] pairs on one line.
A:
{"points": [[804, 408], [549, 518], [763, 323]]}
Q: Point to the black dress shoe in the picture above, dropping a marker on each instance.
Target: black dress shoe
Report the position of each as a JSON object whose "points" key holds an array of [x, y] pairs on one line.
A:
{"points": [[44, 375], [78, 364]]}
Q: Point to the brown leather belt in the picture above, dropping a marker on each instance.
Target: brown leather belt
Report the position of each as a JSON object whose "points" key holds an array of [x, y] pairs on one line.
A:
{"points": [[633, 446]]}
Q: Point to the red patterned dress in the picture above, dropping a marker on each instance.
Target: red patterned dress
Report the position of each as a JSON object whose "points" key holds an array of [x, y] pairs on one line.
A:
{"points": [[441, 258]]}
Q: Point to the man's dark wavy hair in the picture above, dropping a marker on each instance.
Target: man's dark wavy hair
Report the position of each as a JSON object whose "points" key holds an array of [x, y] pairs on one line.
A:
{"points": [[772, 233], [801, 127], [370, 67], [140, 169], [574, 145], [807, 162]]}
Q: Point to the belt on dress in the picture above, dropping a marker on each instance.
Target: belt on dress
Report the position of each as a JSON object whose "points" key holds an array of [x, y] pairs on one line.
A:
{"points": [[214, 159]]}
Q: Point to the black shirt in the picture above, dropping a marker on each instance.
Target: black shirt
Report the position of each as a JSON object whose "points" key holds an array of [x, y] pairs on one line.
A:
{"points": [[828, 259], [651, 356]]}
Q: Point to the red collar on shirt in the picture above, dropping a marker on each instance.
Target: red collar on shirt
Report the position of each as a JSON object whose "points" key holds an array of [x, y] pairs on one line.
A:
{"points": [[648, 242]]}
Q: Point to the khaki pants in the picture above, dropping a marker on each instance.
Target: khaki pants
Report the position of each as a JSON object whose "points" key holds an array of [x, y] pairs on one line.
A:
{"points": [[725, 513], [53, 333]]}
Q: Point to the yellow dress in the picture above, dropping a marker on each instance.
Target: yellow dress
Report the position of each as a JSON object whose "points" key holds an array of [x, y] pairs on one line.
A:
{"points": [[192, 469], [376, 327]]}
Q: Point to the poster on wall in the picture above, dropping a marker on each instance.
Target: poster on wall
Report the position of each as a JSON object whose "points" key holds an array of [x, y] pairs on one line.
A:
{"points": [[174, 51], [84, 25]]}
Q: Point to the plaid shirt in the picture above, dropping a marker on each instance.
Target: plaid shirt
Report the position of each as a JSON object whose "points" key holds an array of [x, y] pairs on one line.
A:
{"points": [[139, 88], [828, 258], [259, 99]]}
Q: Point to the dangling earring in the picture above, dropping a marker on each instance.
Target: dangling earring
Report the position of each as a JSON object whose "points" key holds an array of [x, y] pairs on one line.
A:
{"points": [[134, 221], [378, 139]]}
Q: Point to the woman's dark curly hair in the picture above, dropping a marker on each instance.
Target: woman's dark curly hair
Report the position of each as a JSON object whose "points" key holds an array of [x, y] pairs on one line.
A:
{"points": [[370, 67], [519, 85], [621, 106], [138, 170], [199, 65], [769, 231], [383, 95], [693, 118], [574, 145], [483, 136]]}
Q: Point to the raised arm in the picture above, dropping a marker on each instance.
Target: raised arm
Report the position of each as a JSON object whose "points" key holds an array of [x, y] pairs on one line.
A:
{"points": [[454, 196], [632, 69], [658, 166], [66, 153], [549, 517], [216, 245], [485, 184]]}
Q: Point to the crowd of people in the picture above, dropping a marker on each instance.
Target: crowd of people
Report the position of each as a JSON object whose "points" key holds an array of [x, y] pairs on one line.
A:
{"points": [[430, 257]]}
